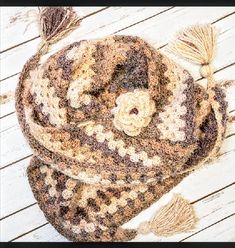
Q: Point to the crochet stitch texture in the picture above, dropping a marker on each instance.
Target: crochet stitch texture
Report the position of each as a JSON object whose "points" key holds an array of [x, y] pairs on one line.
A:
{"points": [[114, 124]]}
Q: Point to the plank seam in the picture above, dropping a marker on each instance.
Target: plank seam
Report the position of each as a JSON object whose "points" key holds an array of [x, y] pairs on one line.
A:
{"points": [[8, 128], [9, 76], [36, 37], [48, 222], [6, 116], [230, 135], [19, 44], [214, 192], [19, 210], [131, 26], [163, 11], [223, 17], [28, 232], [208, 227], [28, 156]]}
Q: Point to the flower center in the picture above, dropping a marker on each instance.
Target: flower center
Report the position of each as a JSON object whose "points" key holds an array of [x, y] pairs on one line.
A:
{"points": [[134, 111]]}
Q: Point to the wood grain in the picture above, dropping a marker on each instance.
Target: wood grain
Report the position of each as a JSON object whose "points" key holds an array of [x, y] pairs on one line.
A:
{"points": [[22, 24], [222, 231], [209, 210], [107, 22], [226, 57], [211, 189]]}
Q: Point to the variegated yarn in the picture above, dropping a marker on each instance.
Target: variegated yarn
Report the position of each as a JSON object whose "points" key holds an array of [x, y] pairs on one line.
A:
{"points": [[114, 124]]}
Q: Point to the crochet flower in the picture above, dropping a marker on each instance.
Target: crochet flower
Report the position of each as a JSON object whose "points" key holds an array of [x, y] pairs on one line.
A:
{"points": [[133, 112]]}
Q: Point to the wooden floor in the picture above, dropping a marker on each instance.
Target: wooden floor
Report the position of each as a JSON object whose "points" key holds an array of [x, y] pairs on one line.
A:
{"points": [[211, 189]]}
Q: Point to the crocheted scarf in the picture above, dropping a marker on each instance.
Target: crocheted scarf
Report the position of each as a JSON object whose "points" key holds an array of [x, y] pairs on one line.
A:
{"points": [[114, 124]]}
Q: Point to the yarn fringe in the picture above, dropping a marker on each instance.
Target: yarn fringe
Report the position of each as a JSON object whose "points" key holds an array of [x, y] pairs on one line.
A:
{"points": [[55, 23], [197, 44], [227, 83], [175, 217], [231, 118]]}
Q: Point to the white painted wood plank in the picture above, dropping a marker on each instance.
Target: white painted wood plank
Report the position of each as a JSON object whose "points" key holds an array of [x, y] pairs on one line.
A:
{"points": [[13, 146], [224, 51], [6, 86], [15, 190], [201, 183], [46, 233], [228, 73], [8, 122], [209, 210], [107, 22], [230, 97], [19, 24], [175, 20], [230, 129], [229, 76], [223, 231], [21, 223], [15, 177], [228, 146], [193, 187]]}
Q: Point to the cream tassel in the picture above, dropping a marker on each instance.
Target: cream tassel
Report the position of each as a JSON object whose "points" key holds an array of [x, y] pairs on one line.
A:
{"points": [[175, 217], [198, 43]]}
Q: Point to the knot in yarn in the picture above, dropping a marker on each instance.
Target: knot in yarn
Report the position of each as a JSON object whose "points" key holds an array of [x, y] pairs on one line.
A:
{"points": [[144, 228], [206, 70], [43, 47]]}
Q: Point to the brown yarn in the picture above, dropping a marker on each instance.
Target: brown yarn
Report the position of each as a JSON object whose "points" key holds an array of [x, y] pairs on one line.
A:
{"points": [[175, 217], [55, 23], [198, 43], [227, 83], [116, 203]]}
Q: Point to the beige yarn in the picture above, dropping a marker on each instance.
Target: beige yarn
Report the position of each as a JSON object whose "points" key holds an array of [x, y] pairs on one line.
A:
{"points": [[198, 44], [132, 124], [175, 217]]}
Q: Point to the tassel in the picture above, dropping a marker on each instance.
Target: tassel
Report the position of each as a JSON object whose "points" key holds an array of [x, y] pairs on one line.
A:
{"points": [[197, 43], [55, 23], [175, 217]]}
